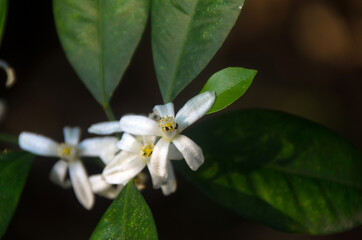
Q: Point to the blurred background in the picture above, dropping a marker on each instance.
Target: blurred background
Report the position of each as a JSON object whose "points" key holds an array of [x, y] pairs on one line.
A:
{"points": [[309, 57]]}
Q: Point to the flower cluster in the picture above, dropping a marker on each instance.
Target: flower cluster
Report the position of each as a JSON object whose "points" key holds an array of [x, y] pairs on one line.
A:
{"points": [[151, 141]]}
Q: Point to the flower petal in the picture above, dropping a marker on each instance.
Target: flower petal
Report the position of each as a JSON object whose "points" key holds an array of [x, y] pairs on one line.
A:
{"points": [[38, 144], [157, 181], [103, 147], [140, 125], [171, 184], [123, 167], [174, 153], [71, 135], [159, 159], [129, 143], [194, 109], [165, 110], [190, 150], [105, 128], [102, 188], [81, 184], [58, 174]]}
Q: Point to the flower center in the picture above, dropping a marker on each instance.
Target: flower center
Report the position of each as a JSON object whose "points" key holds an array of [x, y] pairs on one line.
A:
{"points": [[167, 124], [147, 149], [67, 152]]}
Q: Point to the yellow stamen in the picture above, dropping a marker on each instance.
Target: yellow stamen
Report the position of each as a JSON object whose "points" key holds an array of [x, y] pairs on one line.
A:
{"points": [[167, 124], [147, 149], [67, 152]]}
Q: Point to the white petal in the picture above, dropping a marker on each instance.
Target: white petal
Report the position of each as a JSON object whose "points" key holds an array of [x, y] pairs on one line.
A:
{"points": [[10, 74], [149, 139], [101, 187], [58, 174], [71, 135], [140, 125], [191, 152], [123, 167], [159, 158], [194, 109], [129, 143], [171, 184], [157, 181], [103, 147], [38, 144], [165, 110], [81, 185], [105, 128], [174, 153]]}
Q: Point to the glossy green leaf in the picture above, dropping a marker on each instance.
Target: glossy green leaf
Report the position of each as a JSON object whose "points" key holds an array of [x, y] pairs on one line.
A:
{"points": [[281, 170], [185, 36], [14, 168], [99, 38], [229, 84], [3, 13], [128, 217]]}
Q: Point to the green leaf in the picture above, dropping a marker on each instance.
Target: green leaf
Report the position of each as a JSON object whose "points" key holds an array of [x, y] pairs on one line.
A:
{"points": [[99, 38], [3, 13], [229, 84], [281, 170], [128, 217], [185, 36], [14, 168]]}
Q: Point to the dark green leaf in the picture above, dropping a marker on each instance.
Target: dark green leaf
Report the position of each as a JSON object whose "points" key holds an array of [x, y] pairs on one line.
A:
{"points": [[14, 168], [99, 38], [128, 217], [185, 36], [229, 84], [280, 170], [3, 13]]}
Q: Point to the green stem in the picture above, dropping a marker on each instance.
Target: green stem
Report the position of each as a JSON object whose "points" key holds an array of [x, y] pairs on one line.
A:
{"points": [[109, 112], [8, 139]]}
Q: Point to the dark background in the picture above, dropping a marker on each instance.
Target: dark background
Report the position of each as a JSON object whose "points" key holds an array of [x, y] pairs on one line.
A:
{"points": [[309, 57]]}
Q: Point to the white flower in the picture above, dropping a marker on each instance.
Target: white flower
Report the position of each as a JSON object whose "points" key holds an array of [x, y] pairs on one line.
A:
{"points": [[169, 128], [135, 156], [69, 153], [105, 128], [101, 187]]}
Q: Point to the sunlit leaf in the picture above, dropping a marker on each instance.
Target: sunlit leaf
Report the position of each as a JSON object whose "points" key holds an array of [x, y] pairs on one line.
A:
{"points": [[99, 38], [185, 36], [128, 217], [281, 170], [14, 168], [229, 84]]}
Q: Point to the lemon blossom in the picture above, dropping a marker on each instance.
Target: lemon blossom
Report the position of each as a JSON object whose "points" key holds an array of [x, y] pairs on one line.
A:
{"points": [[135, 155], [97, 181], [105, 128], [169, 128], [69, 153]]}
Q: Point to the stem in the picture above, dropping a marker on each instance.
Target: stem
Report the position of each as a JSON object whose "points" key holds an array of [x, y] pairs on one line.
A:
{"points": [[109, 112], [8, 139]]}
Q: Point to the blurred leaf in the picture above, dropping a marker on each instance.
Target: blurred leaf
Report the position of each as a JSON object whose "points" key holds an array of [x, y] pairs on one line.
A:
{"points": [[128, 217], [99, 38], [14, 168], [185, 36], [281, 170], [3, 13], [229, 84]]}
